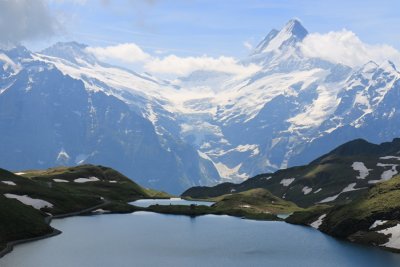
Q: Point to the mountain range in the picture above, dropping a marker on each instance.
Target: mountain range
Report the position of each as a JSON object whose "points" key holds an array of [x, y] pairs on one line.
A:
{"points": [[63, 106], [336, 178], [352, 193]]}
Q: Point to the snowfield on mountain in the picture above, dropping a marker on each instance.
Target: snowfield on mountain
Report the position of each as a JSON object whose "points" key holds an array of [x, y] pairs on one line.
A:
{"points": [[200, 129]]}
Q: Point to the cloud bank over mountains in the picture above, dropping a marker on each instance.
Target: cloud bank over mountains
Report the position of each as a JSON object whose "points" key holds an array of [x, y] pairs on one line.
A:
{"points": [[170, 64], [25, 20], [345, 47], [22, 20]]}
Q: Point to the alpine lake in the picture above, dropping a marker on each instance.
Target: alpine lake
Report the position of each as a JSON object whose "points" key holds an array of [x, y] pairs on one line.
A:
{"points": [[151, 239]]}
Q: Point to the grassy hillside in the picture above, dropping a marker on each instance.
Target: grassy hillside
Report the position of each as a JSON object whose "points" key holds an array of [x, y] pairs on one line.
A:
{"points": [[339, 177], [20, 221], [371, 219], [351, 192], [256, 204], [255, 201], [68, 190]]}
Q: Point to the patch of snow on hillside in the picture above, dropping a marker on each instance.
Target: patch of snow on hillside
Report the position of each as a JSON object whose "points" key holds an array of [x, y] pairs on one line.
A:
{"points": [[9, 183], [60, 181], [388, 174], [81, 158], [394, 239], [318, 222], [348, 188], [36, 203], [319, 190], [287, 182], [86, 180], [63, 155], [230, 173], [361, 168], [306, 190], [390, 157], [19, 173], [329, 199], [377, 223]]}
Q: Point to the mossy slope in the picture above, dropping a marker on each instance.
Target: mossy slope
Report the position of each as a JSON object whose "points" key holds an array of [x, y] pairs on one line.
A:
{"points": [[18, 220]]}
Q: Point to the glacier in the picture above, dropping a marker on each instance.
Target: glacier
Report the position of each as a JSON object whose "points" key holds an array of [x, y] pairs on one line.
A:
{"points": [[64, 106]]}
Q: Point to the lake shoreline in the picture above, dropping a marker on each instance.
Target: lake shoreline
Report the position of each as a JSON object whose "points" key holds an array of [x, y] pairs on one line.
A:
{"points": [[135, 238], [183, 210], [10, 245]]}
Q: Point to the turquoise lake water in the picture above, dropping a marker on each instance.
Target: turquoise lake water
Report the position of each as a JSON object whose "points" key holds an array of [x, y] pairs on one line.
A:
{"points": [[150, 239], [172, 201]]}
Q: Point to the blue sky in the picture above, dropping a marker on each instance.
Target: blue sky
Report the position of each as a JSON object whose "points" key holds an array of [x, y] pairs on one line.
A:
{"points": [[197, 27], [176, 37]]}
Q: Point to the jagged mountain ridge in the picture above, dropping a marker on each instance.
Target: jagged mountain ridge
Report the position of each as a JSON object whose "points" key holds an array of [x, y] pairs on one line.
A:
{"points": [[48, 118], [338, 177], [292, 110], [296, 108]]}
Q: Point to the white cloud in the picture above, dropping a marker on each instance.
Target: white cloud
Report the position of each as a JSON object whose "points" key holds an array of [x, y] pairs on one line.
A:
{"points": [[159, 51], [345, 47], [22, 20], [125, 53], [248, 45], [171, 64]]}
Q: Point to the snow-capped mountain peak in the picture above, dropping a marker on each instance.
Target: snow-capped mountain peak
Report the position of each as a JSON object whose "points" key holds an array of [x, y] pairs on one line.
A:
{"points": [[16, 53], [264, 43], [372, 70], [10, 60], [369, 67], [292, 110], [295, 28], [389, 66], [70, 51], [290, 34]]}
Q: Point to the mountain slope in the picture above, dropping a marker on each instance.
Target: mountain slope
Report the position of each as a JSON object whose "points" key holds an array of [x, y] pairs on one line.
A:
{"points": [[338, 177], [373, 219], [27, 198], [294, 109], [48, 118], [205, 128], [257, 201]]}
